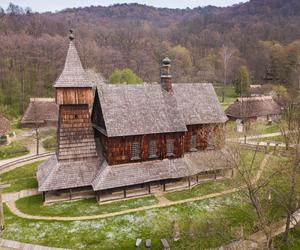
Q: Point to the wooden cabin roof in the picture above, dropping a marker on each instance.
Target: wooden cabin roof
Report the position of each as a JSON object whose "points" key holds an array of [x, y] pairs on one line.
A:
{"points": [[198, 103], [248, 107], [148, 109], [144, 172], [73, 74], [40, 110], [4, 125], [54, 175], [139, 109]]}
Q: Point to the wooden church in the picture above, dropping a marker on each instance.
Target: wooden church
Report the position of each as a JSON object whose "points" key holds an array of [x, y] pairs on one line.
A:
{"points": [[138, 139]]}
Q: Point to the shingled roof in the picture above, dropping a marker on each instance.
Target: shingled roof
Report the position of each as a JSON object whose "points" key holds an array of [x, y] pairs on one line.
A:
{"points": [[250, 107], [148, 109], [144, 172], [40, 110], [139, 109], [73, 74], [4, 125], [54, 175], [198, 103]]}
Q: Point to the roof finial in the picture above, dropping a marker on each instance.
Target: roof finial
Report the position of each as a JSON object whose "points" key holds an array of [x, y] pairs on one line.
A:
{"points": [[71, 36]]}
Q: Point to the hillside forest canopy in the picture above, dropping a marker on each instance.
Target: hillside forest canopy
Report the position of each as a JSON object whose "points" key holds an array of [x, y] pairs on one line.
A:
{"points": [[260, 35]]}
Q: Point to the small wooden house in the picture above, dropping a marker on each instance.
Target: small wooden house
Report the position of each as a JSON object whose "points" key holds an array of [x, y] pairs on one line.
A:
{"points": [[262, 108], [40, 111], [139, 139], [4, 129]]}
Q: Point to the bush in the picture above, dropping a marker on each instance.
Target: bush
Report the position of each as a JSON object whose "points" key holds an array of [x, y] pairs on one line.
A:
{"points": [[14, 149], [124, 76], [50, 142]]}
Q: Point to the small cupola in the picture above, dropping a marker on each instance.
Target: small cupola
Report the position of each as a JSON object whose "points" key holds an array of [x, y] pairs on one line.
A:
{"points": [[166, 77]]}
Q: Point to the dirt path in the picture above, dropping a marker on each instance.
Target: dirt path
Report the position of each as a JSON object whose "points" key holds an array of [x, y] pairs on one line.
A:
{"points": [[163, 202]]}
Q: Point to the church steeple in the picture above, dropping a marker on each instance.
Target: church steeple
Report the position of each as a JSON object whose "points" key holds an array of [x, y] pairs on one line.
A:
{"points": [[73, 74], [74, 95]]}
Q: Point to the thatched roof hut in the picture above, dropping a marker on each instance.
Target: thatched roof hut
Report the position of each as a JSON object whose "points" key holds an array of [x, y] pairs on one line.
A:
{"points": [[4, 126], [263, 107], [43, 111]]}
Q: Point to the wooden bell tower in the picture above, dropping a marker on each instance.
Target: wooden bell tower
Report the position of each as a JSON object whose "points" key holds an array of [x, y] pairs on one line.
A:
{"points": [[74, 95]]}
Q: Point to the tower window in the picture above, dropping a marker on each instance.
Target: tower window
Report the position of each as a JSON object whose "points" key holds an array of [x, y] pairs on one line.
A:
{"points": [[135, 150], [194, 143], [152, 149], [170, 147], [210, 141]]}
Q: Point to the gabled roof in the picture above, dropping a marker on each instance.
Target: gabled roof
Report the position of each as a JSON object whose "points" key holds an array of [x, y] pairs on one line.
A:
{"points": [[148, 109], [248, 107], [73, 74], [40, 110], [198, 103], [4, 125], [139, 109]]}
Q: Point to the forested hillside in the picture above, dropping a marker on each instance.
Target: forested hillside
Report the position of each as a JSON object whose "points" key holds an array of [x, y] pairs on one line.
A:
{"points": [[263, 35]]}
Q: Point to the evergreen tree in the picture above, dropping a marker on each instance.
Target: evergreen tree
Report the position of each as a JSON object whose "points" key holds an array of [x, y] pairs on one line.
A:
{"points": [[242, 82], [124, 76]]}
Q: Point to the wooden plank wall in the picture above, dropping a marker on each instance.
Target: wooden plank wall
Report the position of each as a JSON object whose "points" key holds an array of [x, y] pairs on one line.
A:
{"points": [[75, 135], [118, 149], [74, 96]]}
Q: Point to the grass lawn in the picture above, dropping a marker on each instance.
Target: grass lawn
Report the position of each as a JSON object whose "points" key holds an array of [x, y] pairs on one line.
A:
{"points": [[294, 243], [199, 190], [229, 97], [14, 149], [34, 205], [20, 178], [212, 221]]}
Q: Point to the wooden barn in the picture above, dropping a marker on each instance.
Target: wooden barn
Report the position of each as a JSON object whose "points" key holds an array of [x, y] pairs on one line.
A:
{"points": [[139, 139], [262, 108], [41, 111], [4, 129]]}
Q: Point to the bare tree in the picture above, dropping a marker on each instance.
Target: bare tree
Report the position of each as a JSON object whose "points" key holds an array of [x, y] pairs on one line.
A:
{"points": [[36, 126], [226, 55], [253, 186]]}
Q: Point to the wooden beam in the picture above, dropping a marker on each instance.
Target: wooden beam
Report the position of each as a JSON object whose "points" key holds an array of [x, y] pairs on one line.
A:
{"points": [[124, 192], [149, 188]]}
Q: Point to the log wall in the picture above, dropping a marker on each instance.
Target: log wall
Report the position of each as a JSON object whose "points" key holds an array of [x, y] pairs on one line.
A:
{"points": [[202, 132], [74, 96]]}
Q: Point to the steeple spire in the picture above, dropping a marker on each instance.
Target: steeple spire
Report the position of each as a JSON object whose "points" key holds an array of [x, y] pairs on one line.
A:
{"points": [[73, 74]]}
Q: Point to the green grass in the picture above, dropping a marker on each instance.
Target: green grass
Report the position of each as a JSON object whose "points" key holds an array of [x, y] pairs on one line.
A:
{"points": [[229, 96], [272, 139], [14, 149], [294, 241], [34, 205], [20, 178], [120, 232], [199, 190]]}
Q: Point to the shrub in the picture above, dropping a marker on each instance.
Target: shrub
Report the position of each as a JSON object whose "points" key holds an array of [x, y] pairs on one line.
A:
{"points": [[13, 150], [49, 142]]}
